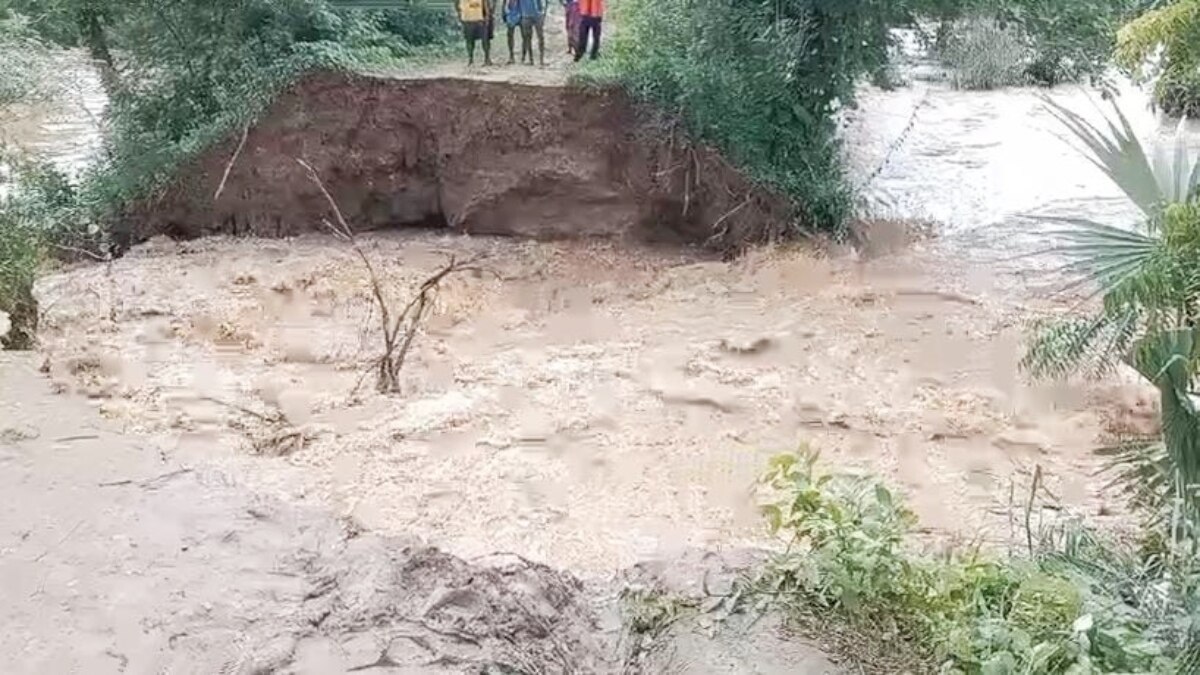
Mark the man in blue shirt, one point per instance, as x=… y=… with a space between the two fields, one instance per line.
x=533 y=19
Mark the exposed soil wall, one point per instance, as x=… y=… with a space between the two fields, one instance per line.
x=478 y=157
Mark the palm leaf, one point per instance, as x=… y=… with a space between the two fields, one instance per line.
x=1118 y=153
x=1168 y=360
x=1091 y=344
x=1140 y=468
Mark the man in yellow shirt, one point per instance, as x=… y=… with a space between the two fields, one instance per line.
x=474 y=16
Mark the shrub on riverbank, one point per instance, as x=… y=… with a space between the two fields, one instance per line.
x=186 y=74
x=1073 y=603
x=982 y=53
x=1048 y=41
x=761 y=81
x=1175 y=28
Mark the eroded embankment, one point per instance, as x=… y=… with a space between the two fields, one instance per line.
x=478 y=157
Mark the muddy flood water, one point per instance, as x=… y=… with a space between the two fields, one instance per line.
x=593 y=405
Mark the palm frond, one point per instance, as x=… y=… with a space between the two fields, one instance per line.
x=1099 y=253
x=1140 y=469
x=1079 y=344
x=1168 y=359
x=1118 y=153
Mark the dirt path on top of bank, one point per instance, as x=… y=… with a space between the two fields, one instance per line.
x=556 y=71
x=588 y=405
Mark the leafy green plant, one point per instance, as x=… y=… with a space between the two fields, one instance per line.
x=761 y=80
x=1070 y=40
x=1175 y=28
x=25 y=64
x=1148 y=278
x=34 y=198
x=849 y=567
x=21 y=254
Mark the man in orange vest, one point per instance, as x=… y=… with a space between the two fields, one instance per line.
x=591 y=14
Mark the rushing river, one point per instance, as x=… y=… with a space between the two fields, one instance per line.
x=979 y=163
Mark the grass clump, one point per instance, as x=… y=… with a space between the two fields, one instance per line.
x=1078 y=604
x=982 y=53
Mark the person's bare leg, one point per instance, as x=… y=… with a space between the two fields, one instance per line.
x=539 y=26
x=470 y=50
x=511 y=38
x=487 y=51
x=526 y=41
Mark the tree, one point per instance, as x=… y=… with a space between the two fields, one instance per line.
x=1175 y=27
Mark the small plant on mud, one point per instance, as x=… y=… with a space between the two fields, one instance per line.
x=851 y=575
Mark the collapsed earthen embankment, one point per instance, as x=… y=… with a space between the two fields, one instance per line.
x=476 y=157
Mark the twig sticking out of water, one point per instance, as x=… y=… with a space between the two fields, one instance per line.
x=399 y=330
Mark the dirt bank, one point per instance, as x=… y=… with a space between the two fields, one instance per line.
x=477 y=157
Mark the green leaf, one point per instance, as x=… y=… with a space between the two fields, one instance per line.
x=1001 y=663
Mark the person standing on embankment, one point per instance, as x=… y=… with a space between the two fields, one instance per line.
x=571 y=9
x=474 y=17
x=591 y=19
x=533 y=19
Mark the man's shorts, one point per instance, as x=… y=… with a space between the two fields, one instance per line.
x=475 y=30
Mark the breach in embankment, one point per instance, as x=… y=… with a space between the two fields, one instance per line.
x=476 y=157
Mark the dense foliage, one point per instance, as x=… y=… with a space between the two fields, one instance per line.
x=1147 y=277
x=180 y=74
x=1073 y=603
x=1028 y=41
x=761 y=79
x=1175 y=28
x=25 y=64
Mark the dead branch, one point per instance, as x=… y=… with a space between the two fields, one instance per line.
x=398 y=333
x=229 y=167
x=149 y=482
x=274 y=418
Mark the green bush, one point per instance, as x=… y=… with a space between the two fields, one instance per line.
x=181 y=75
x=25 y=64
x=1079 y=605
x=984 y=54
x=1060 y=40
x=1175 y=27
x=1070 y=40
x=760 y=79
x=21 y=254
x=32 y=202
